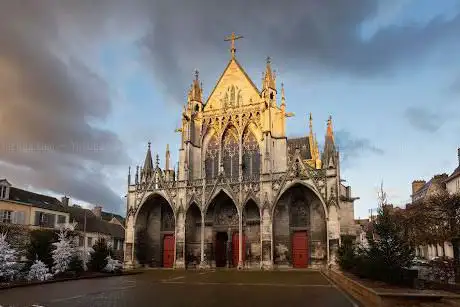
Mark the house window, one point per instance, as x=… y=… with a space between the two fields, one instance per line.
x=6 y=216
x=61 y=219
x=90 y=242
x=44 y=219
x=2 y=192
x=81 y=240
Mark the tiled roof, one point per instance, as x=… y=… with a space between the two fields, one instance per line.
x=94 y=223
x=35 y=199
x=301 y=143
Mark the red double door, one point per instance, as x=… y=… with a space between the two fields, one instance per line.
x=168 y=251
x=300 y=249
x=236 y=248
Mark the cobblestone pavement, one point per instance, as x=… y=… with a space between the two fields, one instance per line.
x=185 y=288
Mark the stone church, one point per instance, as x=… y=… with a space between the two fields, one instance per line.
x=244 y=195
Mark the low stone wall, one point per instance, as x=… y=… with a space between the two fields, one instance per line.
x=369 y=297
x=364 y=295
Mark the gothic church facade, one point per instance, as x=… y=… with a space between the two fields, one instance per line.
x=244 y=195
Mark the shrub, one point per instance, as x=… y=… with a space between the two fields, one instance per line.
x=41 y=246
x=442 y=269
x=347 y=254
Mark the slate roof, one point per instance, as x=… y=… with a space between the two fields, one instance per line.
x=94 y=223
x=107 y=216
x=455 y=174
x=301 y=143
x=36 y=200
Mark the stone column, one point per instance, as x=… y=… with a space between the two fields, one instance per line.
x=129 y=262
x=266 y=239
x=240 y=243
x=204 y=258
x=180 y=241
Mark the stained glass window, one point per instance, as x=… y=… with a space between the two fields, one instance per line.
x=230 y=153
x=251 y=156
x=211 y=162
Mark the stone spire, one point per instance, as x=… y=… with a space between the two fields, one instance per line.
x=148 y=163
x=196 y=92
x=167 y=158
x=329 y=158
x=283 y=98
x=136 y=177
x=314 y=150
x=129 y=175
x=269 y=77
x=157 y=161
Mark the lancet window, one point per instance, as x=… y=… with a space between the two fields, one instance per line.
x=212 y=158
x=251 y=156
x=230 y=153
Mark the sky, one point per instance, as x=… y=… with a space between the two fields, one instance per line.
x=84 y=85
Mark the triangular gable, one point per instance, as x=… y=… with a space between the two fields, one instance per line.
x=245 y=91
x=5 y=182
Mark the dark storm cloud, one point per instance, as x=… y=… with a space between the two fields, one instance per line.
x=424 y=119
x=47 y=98
x=352 y=147
x=50 y=95
x=297 y=33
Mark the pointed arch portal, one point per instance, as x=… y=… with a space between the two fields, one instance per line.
x=299 y=228
x=221 y=226
x=251 y=234
x=193 y=236
x=154 y=233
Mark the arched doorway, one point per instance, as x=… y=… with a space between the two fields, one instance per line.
x=299 y=229
x=155 y=225
x=221 y=225
x=251 y=234
x=193 y=236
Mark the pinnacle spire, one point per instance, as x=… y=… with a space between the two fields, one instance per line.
x=311 y=124
x=167 y=158
x=330 y=132
x=196 y=92
x=283 y=98
x=157 y=161
x=269 y=79
x=148 y=163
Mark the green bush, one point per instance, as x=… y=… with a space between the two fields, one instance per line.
x=76 y=264
x=347 y=254
x=41 y=246
x=98 y=259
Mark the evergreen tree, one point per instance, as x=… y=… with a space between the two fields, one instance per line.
x=99 y=256
x=9 y=267
x=388 y=253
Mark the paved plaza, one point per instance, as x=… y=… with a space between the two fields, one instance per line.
x=186 y=288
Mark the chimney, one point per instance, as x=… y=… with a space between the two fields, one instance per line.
x=417 y=185
x=97 y=210
x=458 y=154
x=65 y=201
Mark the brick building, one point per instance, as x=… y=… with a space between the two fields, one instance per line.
x=244 y=194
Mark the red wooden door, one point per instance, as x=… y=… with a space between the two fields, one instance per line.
x=236 y=248
x=168 y=251
x=299 y=249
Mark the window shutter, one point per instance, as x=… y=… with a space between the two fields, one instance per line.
x=37 y=218
x=21 y=217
